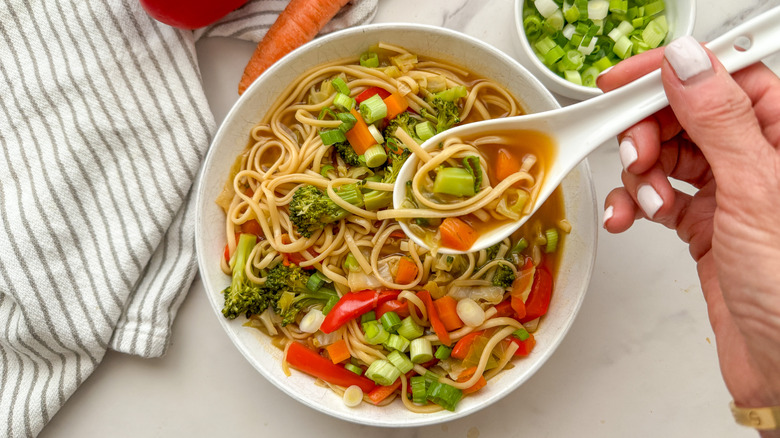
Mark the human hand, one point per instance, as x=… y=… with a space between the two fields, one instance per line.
x=720 y=134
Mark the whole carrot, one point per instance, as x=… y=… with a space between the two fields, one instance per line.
x=298 y=24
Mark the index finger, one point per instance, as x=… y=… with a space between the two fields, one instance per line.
x=631 y=69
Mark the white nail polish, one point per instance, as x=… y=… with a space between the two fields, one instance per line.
x=687 y=57
x=608 y=212
x=628 y=154
x=649 y=200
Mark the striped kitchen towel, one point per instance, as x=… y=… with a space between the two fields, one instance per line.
x=103 y=126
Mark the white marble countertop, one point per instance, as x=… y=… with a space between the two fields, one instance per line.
x=639 y=360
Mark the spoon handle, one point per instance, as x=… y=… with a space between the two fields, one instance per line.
x=740 y=47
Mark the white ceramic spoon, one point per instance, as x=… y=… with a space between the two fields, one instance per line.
x=579 y=129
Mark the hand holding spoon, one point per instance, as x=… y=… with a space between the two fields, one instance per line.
x=579 y=129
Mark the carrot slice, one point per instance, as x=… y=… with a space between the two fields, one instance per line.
x=359 y=136
x=252 y=227
x=448 y=312
x=506 y=164
x=462 y=347
x=407 y=271
x=457 y=234
x=298 y=24
x=396 y=104
x=338 y=351
x=466 y=375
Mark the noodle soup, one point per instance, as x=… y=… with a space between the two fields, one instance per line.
x=318 y=260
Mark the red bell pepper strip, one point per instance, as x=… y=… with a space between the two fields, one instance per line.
x=400 y=308
x=524 y=347
x=354 y=304
x=433 y=317
x=504 y=309
x=462 y=347
x=539 y=299
x=311 y=363
x=370 y=92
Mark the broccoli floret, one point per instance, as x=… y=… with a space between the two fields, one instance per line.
x=397 y=160
x=447 y=114
x=504 y=277
x=288 y=284
x=405 y=121
x=347 y=153
x=244 y=296
x=311 y=209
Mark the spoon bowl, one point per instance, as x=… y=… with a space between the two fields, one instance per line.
x=579 y=129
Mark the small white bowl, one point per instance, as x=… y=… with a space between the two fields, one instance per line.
x=579 y=199
x=681 y=15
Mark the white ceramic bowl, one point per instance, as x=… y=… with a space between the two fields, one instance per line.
x=681 y=15
x=577 y=260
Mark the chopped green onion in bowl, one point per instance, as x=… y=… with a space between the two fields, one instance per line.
x=578 y=39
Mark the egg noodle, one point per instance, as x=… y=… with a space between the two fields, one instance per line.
x=286 y=153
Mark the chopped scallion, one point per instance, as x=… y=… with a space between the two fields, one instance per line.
x=396 y=342
x=420 y=350
x=419 y=392
x=400 y=361
x=373 y=109
x=375 y=156
x=343 y=101
x=383 y=372
x=332 y=136
x=369 y=59
x=521 y=334
x=442 y=352
x=444 y=395
x=351 y=264
x=340 y=85
x=409 y=329
x=375 y=333
x=425 y=130
x=354 y=368
x=325 y=169
x=368 y=316
x=347 y=121
x=390 y=321
x=552 y=240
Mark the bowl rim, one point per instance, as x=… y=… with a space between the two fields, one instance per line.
x=203 y=261
x=573 y=91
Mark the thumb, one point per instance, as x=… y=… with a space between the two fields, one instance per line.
x=714 y=111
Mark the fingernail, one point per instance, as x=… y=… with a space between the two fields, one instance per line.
x=649 y=200
x=628 y=154
x=687 y=57
x=607 y=215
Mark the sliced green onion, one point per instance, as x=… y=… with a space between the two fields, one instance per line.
x=598 y=9
x=383 y=372
x=396 y=342
x=354 y=368
x=375 y=333
x=552 y=240
x=375 y=156
x=520 y=246
x=420 y=350
x=312 y=321
x=376 y=134
x=444 y=395
x=533 y=26
x=623 y=47
x=572 y=14
x=332 y=136
x=373 y=109
x=573 y=60
x=400 y=361
x=353 y=396
x=454 y=181
x=442 y=352
x=521 y=334
x=409 y=329
x=546 y=7
x=329 y=305
x=589 y=76
x=603 y=64
x=654 y=7
x=419 y=392
x=390 y=321
x=555 y=54
x=347 y=121
x=452 y=94
x=544 y=45
x=343 y=101
x=369 y=316
x=326 y=112
x=369 y=59
x=653 y=35
x=351 y=264
x=618 y=6
x=340 y=85
x=325 y=169
x=431 y=377
x=572 y=76
x=555 y=21
x=471 y=164
x=315 y=282
x=625 y=27
x=425 y=130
